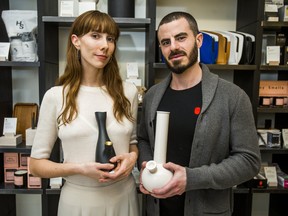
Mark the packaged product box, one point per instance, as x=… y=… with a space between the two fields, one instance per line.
x=273 y=88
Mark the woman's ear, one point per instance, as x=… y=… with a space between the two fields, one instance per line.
x=75 y=40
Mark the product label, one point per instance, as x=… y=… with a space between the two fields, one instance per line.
x=10 y=175
x=34 y=181
x=18 y=180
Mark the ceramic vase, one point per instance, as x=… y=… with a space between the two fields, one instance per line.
x=155 y=175
x=104 y=149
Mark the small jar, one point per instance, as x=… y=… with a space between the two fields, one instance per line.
x=279 y=101
x=265 y=101
x=20 y=178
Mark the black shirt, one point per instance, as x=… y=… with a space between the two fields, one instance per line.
x=184 y=107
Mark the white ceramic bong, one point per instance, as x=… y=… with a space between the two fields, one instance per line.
x=155 y=175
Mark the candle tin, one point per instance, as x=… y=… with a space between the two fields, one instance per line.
x=20 y=178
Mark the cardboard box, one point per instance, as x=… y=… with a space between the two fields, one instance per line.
x=282 y=180
x=33 y=181
x=23 y=159
x=11 y=160
x=11 y=140
x=258 y=181
x=30 y=135
x=86 y=6
x=9 y=175
x=283 y=13
x=273 y=88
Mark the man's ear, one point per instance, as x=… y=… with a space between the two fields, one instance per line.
x=75 y=40
x=199 y=39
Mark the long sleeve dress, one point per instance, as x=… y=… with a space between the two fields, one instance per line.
x=81 y=195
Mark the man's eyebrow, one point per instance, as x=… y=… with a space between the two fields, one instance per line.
x=181 y=34
x=175 y=36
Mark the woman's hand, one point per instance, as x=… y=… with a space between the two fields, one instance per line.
x=95 y=170
x=125 y=165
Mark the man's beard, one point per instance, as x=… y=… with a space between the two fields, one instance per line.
x=179 y=68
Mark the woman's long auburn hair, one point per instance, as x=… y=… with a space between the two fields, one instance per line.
x=71 y=79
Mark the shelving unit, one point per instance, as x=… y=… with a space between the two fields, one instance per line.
x=250 y=19
x=217 y=67
x=7 y=190
x=6 y=75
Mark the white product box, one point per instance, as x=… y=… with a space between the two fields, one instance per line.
x=86 y=6
x=30 y=134
x=273 y=55
x=10 y=140
x=68 y=8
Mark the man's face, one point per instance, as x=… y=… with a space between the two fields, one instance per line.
x=178 y=45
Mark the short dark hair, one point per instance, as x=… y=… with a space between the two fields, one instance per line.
x=178 y=15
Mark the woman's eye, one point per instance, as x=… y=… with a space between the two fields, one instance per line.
x=96 y=36
x=111 y=39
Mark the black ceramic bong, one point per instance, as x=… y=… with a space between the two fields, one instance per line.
x=104 y=150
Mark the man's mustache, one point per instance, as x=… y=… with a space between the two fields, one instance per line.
x=173 y=53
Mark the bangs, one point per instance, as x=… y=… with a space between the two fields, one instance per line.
x=98 y=22
x=106 y=26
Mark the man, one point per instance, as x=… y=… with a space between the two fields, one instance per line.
x=212 y=142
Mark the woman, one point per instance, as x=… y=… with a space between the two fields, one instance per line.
x=91 y=82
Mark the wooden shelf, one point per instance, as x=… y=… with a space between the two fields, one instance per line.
x=217 y=67
x=52 y=191
x=9 y=188
x=272 y=109
x=19 y=64
x=241 y=190
x=122 y=22
x=273 y=25
x=21 y=148
x=274 y=190
x=273 y=67
x=273 y=150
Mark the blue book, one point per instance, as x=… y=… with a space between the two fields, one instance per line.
x=209 y=48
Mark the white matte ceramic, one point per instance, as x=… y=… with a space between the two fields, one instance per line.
x=155 y=176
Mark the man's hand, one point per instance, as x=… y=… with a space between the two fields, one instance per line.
x=176 y=186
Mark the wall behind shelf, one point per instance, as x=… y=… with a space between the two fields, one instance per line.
x=210 y=14
x=24 y=80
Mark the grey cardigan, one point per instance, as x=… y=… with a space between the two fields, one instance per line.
x=224 y=151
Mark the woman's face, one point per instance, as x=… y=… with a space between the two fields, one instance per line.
x=96 y=48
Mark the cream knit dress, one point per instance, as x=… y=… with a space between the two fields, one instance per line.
x=80 y=195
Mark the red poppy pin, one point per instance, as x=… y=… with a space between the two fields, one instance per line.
x=197 y=110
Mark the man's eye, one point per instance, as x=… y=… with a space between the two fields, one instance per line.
x=182 y=38
x=165 y=43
